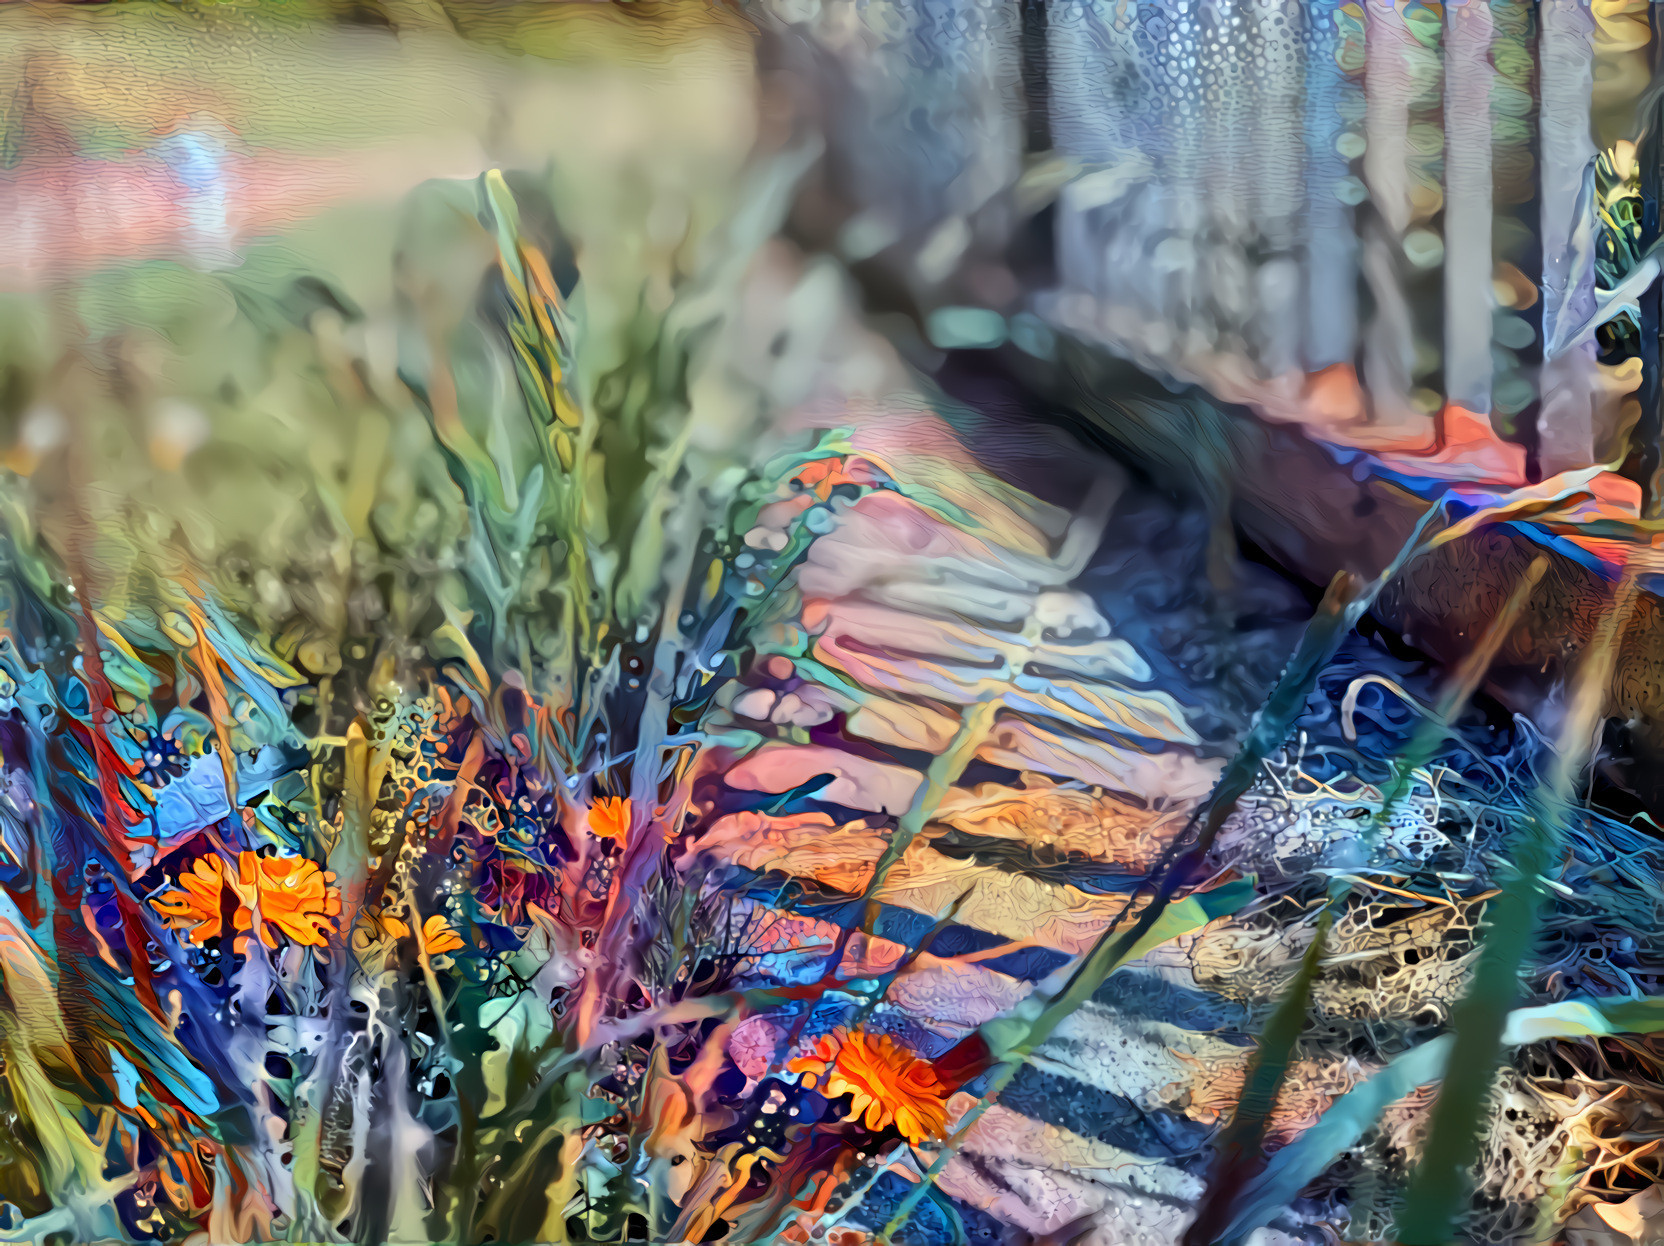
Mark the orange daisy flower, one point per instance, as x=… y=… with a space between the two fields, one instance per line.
x=821 y=476
x=292 y=894
x=438 y=937
x=609 y=818
x=886 y=1083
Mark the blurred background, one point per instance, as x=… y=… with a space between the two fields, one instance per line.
x=1361 y=253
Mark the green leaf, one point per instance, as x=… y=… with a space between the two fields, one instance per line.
x=1302 y=1161
x=1194 y=912
x=1438 y=1185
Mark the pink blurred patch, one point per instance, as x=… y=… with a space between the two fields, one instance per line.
x=751 y=1045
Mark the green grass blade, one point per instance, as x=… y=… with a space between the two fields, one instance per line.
x=1241 y=1147
x=1439 y=1183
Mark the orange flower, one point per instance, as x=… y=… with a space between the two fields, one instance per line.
x=198 y=901
x=821 y=476
x=437 y=935
x=292 y=894
x=609 y=818
x=884 y=1080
